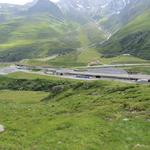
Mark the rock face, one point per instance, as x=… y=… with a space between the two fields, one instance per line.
x=94 y=7
x=42 y=6
x=2 y=129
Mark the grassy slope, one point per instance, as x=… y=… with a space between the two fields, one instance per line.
x=88 y=34
x=138 y=69
x=89 y=115
x=39 y=35
x=29 y=76
x=22 y=97
x=77 y=59
x=36 y=36
x=85 y=54
x=132 y=39
x=22 y=39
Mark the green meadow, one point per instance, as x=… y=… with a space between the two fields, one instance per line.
x=48 y=113
x=83 y=58
x=138 y=69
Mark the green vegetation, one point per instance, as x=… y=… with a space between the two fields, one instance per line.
x=132 y=39
x=4 y=65
x=36 y=36
x=138 y=69
x=85 y=54
x=21 y=97
x=40 y=35
x=74 y=115
x=82 y=56
x=29 y=76
x=122 y=59
x=68 y=60
x=42 y=112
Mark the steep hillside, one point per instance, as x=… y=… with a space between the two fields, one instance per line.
x=39 y=30
x=93 y=8
x=42 y=29
x=133 y=39
x=46 y=6
x=36 y=36
x=88 y=36
x=131 y=10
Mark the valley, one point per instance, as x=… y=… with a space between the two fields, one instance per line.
x=75 y=75
x=46 y=32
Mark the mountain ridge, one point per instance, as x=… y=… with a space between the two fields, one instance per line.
x=42 y=28
x=46 y=6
